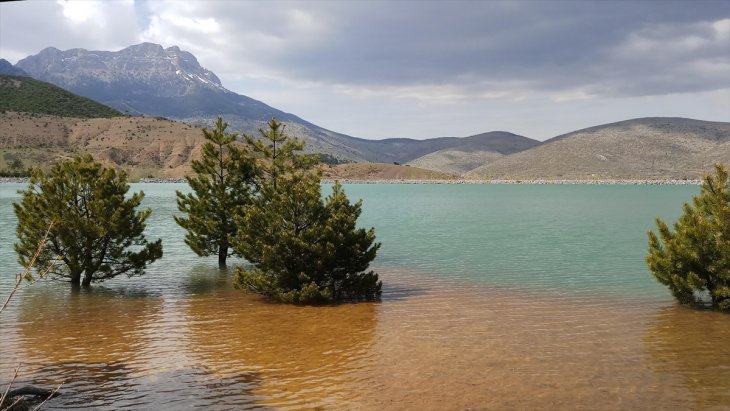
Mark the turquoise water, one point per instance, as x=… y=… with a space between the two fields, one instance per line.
x=565 y=238
x=579 y=238
x=494 y=296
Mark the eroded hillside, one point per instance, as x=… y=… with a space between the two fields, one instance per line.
x=142 y=146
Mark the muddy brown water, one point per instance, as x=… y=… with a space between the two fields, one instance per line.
x=427 y=345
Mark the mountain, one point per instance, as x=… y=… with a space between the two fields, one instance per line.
x=6 y=68
x=149 y=79
x=642 y=148
x=24 y=94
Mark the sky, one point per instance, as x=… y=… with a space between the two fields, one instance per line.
x=378 y=69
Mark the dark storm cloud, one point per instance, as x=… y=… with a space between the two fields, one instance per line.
x=607 y=48
x=593 y=48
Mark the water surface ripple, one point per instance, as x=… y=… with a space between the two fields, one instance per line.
x=495 y=297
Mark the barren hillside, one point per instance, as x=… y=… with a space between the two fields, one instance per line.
x=653 y=148
x=380 y=172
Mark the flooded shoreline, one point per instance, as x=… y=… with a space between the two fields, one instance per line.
x=430 y=344
x=495 y=297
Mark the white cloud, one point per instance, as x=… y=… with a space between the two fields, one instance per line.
x=80 y=11
x=28 y=27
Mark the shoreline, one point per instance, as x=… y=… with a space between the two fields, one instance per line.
x=524 y=182
x=669 y=181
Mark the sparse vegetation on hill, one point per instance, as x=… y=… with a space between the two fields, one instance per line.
x=380 y=171
x=142 y=146
x=24 y=94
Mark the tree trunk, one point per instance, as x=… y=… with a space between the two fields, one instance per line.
x=222 y=255
x=75 y=278
x=87 y=281
x=31 y=390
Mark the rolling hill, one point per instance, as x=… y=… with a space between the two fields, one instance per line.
x=643 y=148
x=472 y=152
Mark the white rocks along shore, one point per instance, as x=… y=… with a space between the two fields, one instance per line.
x=6 y=180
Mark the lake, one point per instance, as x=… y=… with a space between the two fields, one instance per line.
x=494 y=296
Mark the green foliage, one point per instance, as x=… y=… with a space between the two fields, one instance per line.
x=278 y=154
x=303 y=249
x=24 y=94
x=94 y=227
x=221 y=186
x=693 y=259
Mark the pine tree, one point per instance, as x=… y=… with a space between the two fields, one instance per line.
x=92 y=224
x=347 y=250
x=221 y=186
x=278 y=154
x=693 y=260
x=301 y=247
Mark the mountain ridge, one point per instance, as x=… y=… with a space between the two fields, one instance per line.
x=169 y=82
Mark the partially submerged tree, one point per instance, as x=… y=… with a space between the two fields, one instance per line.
x=221 y=186
x=302 y=248
x=96 y=232
x=278 y=155
x=693 y=259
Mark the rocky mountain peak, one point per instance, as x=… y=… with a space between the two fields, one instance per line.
x=141 y=69
x=144 y=49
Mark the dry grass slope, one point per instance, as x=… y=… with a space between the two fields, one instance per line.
x=380 y=172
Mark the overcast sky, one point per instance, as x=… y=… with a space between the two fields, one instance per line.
x=377 y=69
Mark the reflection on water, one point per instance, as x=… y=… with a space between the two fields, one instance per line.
x=431 y=344
x=302 y=354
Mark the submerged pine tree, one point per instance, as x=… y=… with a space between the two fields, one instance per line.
x=221 y=187
x=693 y=259
x=95 y=230
x=302 y=248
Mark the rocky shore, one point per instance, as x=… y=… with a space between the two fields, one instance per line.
x=5 y=180
x=162 y=180
x=537 y=182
